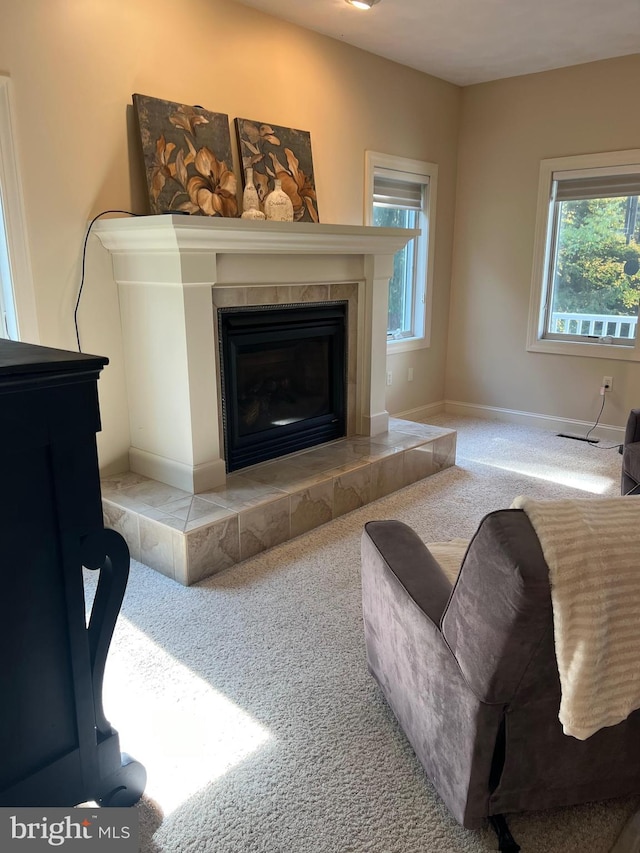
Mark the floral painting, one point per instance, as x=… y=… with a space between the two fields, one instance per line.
x=187 y=158
x=279 y=152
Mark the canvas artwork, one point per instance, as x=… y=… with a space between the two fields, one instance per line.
x=279 y=152
x=187 y=158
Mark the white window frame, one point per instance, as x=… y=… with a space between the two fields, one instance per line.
x=16 y=279
x=540 y=281
x=405 y=169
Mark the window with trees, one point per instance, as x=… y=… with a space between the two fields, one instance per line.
x=586 y=286
x=401 y=193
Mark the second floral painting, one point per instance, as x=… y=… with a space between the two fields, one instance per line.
x=188 y=159
x=279 y=153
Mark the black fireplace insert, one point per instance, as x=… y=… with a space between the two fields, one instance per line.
x=283 y=379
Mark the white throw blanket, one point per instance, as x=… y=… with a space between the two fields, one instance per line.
x=592 y=548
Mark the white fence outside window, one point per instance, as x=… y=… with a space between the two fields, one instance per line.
x=594 y=325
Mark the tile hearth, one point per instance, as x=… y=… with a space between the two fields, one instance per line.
x=189 y=537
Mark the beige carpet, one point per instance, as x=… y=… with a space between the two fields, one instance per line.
x=248 y=699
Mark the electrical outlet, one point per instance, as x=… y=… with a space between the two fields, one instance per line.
x=607 y=383
x=389 y=377
x=410 y=374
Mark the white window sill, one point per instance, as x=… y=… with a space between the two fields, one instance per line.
x=395 y=345
x=617 y=352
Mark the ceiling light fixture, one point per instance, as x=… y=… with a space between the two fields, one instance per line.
x=362 y=4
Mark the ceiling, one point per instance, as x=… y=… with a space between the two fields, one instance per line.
x=473 y=41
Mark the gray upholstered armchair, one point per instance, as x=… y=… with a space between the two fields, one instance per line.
x=631 y=455
x=470 y=673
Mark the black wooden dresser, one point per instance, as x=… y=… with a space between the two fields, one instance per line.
x=56 y=746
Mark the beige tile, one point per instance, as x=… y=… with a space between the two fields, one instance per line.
x=387 y=475
x=124 y=501
x=311 y=293
x=344 y=291
x=264 y=527
x=351 y=490
x=118 y=482
x=154 y=493
x=179 y=508
x=311 y=508
x=416 y=428
x=266 y=295
x=352 y=343
x=444 y=451
x=324 y=458
x=284 y=295
x=156 y=546
x=306 y=481
x=180 y=559
x=194 y=510
x=285 y=476
x=212 y=548
x=161 y=517
x=229 y=297
x=125 y=523
x=241 y=492
x=218 y=513
x=369 y=450
x=418 y=463
x=352 y=368
x=351 y=408
x=353 y=465
x=399 y=440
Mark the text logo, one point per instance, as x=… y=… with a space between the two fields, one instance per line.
x=76 y=829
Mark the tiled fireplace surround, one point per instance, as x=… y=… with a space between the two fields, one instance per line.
x=178 y=510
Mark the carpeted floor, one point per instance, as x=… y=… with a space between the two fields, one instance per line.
x=248 y=699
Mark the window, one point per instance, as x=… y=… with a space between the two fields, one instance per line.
x=17 y=299
x=8 y=320
x=586 y=284
x=401 y=193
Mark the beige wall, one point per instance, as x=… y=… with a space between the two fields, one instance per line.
x=74 y=66
x=507 y=127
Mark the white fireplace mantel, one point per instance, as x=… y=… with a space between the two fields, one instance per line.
x=166 y=267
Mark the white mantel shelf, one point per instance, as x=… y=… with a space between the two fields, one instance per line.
x=201 y=233
x=174 y=272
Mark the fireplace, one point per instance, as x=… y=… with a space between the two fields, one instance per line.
x=283 y=371
x=174 y=274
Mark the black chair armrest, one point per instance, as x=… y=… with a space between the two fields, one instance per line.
x=413 y=565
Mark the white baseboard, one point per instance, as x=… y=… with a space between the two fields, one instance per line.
x=189 y=478
x=422 y=413
x=605 y=432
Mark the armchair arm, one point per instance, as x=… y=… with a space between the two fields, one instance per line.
x=404 y=592
x=632 y=431
x=412 y=564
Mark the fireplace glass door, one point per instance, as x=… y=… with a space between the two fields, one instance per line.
x=283 y=379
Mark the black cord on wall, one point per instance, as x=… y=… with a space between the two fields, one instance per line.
x=604 y=398
x=84 y=257
x=591 y=444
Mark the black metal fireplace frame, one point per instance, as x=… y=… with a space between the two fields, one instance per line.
x=243 y=327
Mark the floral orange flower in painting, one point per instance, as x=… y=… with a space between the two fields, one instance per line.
x=188 y=158
x=213 y=189
x=187 y=118
x=162 y=167
x=280 y=153
x=296 y=185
